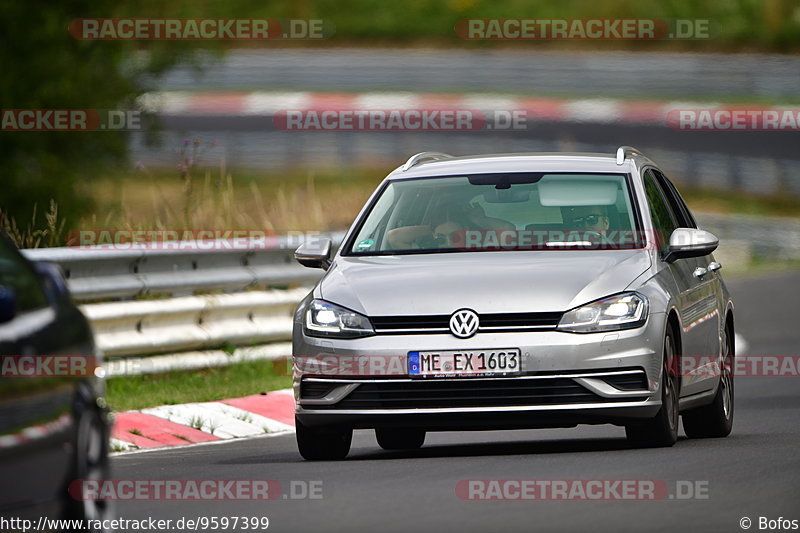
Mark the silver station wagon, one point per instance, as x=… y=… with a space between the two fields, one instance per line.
x=515 y=291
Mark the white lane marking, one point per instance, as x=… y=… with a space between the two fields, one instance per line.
x=490 y=102
x=165 y=102
x=387 y=100
x=593 y=110
x=117 y=445
x=266 y=103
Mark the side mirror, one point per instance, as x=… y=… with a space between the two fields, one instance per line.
x=690 y=242
x=315 y=253
x=53 y=281
x=8 y=304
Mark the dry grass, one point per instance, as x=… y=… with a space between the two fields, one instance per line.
x=218 y=199
x=299 y=201
x=33 y=235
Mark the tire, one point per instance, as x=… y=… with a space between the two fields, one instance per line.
x=323 y=443
x=400 y=439
x=661 y=430
x=716 y=419
x=91 y=463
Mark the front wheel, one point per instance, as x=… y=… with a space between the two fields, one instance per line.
x=91 y=464
x=716 y=419
x=322 y=443
x=662 y=429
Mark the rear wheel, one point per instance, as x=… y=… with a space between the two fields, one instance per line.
x=323 y=443
x=716 y=419
x=400 y=439
x=662 y=429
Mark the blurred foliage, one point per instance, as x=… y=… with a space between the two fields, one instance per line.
x=763 y=25
x=754 y=25
x=42 y=66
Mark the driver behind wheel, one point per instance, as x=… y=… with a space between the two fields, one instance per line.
x=588 y=218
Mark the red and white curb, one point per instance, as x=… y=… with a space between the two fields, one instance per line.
x=192 y=423
x=38 y=432
x=265 y=103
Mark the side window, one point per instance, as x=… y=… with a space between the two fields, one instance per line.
x=664 y=220
x=684 y=216
x=17 y=274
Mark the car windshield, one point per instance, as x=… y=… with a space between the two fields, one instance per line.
x=510 y=211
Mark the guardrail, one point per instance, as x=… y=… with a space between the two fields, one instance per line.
x=248 y=296
x=194 y=322
x=768 y=238
x=102 y=272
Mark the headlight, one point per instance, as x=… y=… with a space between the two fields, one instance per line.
x=324 y=319
x=623 y=311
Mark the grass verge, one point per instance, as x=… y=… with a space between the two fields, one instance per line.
x=722 y=201
x=760 y=267
x=204 y=385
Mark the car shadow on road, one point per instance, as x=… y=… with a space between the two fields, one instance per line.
x=371 y=452
x=477 y=449
x=544 y=447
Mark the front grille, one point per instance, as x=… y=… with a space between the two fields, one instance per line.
x=437 y=393
x=489 y=323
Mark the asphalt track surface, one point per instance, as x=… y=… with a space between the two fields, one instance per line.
x=753 y=473
x=766 y=144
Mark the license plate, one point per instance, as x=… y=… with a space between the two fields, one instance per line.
x=465 y=363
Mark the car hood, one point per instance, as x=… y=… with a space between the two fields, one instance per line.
x=487 y=282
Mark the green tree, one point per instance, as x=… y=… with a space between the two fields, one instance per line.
x=43 y=67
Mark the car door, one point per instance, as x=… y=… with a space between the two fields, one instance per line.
x=710 y=311
x=35 y=409
x=691 y=289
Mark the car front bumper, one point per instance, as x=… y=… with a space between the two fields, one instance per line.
x=566 y=379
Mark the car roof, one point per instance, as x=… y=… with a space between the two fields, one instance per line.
x=520 y=162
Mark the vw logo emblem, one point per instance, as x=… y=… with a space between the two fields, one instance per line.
x=464 y=323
